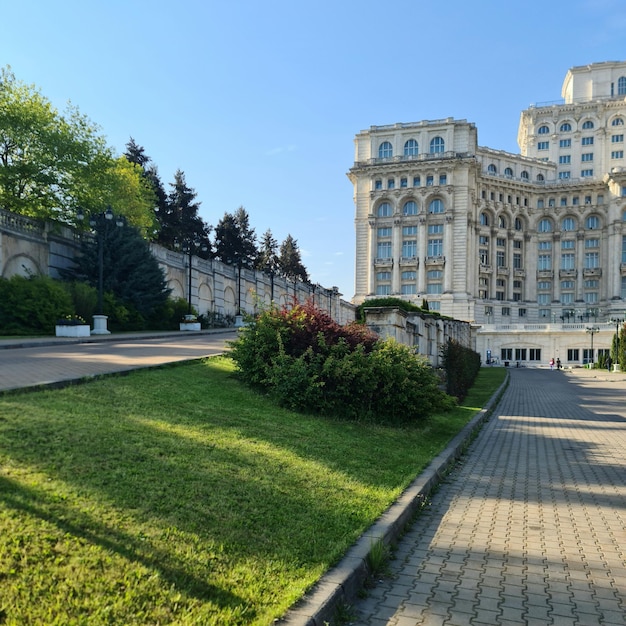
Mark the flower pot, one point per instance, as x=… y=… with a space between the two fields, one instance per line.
x=79 y=330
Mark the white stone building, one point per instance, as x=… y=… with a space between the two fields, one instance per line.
x=530 y=247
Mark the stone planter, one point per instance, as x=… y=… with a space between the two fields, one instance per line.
x=80 y=330
x=190 y=325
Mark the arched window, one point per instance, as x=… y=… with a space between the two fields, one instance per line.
x=484 y=219
x=436 y=206
x=502 y=221
x=524 y=174
x=587 y=125
x=566 y=127
x=492 y=169
x=592 y=222
x=411 y=148
x=384 y=210
x=543 y=130
x=385 y=150
x=437 y=145
x=518 y=224
x=568 y=224
x=540 y=178
x=409 y=208
x=508 y=172
x=545 y=226
x=618 y=121
x=621 y=86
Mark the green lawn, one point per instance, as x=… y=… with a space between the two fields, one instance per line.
x=177 y=496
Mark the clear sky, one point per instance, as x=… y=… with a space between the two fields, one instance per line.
x=258 y=102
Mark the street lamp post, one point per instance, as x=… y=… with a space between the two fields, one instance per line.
x=592 y=330
x=191 y=247
x=99 y=223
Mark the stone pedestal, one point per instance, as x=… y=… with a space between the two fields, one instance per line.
x=100 y=325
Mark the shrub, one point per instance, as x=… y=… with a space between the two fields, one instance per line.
x=309 y=363
x=32 y=305
x=461 y=367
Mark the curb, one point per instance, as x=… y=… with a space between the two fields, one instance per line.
x=341 y=585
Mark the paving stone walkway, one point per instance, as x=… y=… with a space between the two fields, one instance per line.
x=530 y=527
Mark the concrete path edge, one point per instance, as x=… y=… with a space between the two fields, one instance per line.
x=340 y=586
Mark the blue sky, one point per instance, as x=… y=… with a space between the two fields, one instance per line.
x=259 y=102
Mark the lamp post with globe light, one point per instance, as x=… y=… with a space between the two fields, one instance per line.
x=592 y=330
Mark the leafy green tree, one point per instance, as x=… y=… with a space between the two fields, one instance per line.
x=290 y=260
x=53 y=164
x=130 y=271
x=235 y=240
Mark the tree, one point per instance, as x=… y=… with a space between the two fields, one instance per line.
x=131 y=272
x=290 y=261
x=235 y=240
x=181 y=222
x=267 y=260
x=53 y=164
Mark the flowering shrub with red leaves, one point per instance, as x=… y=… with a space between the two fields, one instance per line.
x=310 y=363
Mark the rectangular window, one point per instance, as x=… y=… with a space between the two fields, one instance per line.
x=517 y=284
x=409 y=289
x=587 y=141
x=403 y=182
x=591 y=297
x=586 y=156
x=591 y=284
x=568 y=244
x=435 y=229
x=565 y=143
x=500 y=259
x=573 y=354
x=434 y=288
x=544 y=245
x=501 y=242
x=506 y=354
x=567 y=284
x=383 y=290
x=568 y=261
x=391 y=183
x=409 y=275
x=409 y=248
x=586 y=173
x=383 y=276
x=544 y=262
x=565 y=158
x=617 y=154
x=617 y=138
x=384 y=232
x=592 y=243
x=435 y=247
x=383 y=250
x=534 y=354
x=563 y=201
x=575 y=200
x=543 y=298
x=434 y=274
x=517 y=244
x=592 y=260
x=500 y=295
x=417 y=181
x=378 y=184
x=517 y=261
x=483 y=255
x=544 y=284
x=443 y=179
x=544 y=313
x=483 y=240
x=567 y=298
x=506 y=311
x=623 y=249
x=429 y=181
x=543 y=145
x=520 y=354
x=409 y=230
x=521 y=313
x=564 y=175
x=540 y=203
x=517 y=296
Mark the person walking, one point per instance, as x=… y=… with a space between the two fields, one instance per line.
x=552 y=364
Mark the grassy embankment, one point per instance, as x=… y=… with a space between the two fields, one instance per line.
x=178 y=496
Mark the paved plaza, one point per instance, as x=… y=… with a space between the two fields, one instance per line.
x=530 y=527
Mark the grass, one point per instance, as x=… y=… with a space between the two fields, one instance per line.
x=177 y=496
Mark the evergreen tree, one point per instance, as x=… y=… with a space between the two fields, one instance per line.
x=290 y=261
x=182 y=223
x=267 y=260
x=130 y=270
x=235 y=241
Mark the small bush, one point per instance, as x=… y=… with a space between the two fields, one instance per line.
x=32 y=305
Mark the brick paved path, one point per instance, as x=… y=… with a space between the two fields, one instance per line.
x=530 y=527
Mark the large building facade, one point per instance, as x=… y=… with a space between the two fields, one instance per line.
x=529 y=247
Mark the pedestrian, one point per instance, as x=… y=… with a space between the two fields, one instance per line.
x=552 y=364
x=609 y=362
x=558 y=364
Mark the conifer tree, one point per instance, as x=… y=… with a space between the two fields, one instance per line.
x=290 y=260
